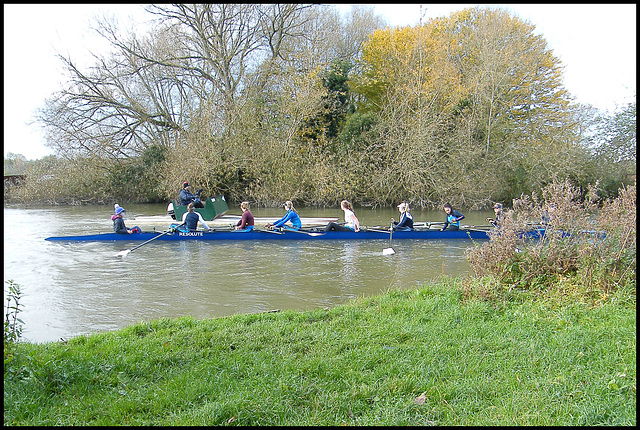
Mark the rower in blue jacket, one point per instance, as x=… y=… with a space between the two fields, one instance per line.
x=453 y=218
x=290 y=216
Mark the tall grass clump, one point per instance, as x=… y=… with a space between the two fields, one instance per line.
x=588 y=246
x=12 y=324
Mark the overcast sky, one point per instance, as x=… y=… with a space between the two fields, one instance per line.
x=595 y=42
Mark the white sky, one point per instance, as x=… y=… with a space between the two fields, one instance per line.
x=595 y=42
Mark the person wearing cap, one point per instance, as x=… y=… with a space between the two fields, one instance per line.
x=118 y=223
x=191 y=218
x=453 y=218
x=351 y=222
x=186 y=197
x=291 y=216
x=246 y=222
x=497 y=208
x=406 y=219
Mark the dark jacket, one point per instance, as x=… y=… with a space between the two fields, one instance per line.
x=119 y=227
x=186 y=197
x=406 y=222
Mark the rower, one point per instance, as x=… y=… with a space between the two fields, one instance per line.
x=246 y=223
x=406 y=219
x=191 y=218
x=291 y=216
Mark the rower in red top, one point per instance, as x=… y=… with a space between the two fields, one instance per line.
x=246 y=222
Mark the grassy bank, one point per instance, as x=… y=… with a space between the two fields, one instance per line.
x=417 y=357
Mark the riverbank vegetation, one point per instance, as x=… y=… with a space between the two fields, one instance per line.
x=301 y=103
x=590 y=242
x=543 y=333
x=417 y=357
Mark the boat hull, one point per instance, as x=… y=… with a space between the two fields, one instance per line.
x=274 y=235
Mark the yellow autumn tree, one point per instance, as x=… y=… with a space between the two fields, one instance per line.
x=461 y=98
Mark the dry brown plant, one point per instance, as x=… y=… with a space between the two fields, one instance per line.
x=588 y=241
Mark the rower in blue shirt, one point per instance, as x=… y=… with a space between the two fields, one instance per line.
x=290 y=216
x=453 y=218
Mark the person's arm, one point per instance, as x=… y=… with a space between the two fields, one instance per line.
x=204 y=224
x=356 y=223
x=184 y=217
x=283 y=220
x=446 y=224
x=458 y=215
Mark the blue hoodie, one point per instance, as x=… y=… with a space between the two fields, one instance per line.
x=292 y=216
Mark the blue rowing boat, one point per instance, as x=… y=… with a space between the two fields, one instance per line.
x=364 y=234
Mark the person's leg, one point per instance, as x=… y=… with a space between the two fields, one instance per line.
x=332 y=226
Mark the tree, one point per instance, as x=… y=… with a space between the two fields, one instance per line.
x=464 y=97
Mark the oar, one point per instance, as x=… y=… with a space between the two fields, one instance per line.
x=126 y=251
x=375 y=229
x=309 y=233
x=270 y=231
x=389 y=250
x=488 y=227
x=467 y=228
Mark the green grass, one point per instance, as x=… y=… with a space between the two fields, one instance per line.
x=363 y=363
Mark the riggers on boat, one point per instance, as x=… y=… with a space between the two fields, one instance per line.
x=234 y=235
x=214 y=207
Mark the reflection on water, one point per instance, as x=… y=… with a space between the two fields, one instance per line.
x=76 y=288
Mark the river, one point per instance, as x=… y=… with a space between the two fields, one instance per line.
x=70 y=289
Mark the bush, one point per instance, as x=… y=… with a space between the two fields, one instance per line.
x=591 y=243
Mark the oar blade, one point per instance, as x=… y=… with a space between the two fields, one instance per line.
x=388 y=251
x=123 y=254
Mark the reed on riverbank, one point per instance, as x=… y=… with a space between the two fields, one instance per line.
x=427 y=356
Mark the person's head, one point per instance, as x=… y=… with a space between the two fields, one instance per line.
x=185 y=185
x=345 y=204
x=288 y=205
x=244 y=206
x=403 y=207
x=191 y=207
x=119 y=211
x=447 y=208
x=497 y=208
